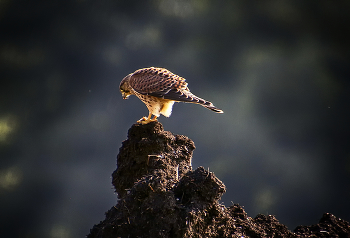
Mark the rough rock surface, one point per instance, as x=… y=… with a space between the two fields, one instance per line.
x=161 y=196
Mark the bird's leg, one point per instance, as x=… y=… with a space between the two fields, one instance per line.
x=146 y=120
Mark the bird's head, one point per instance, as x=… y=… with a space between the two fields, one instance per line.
x=125 y=88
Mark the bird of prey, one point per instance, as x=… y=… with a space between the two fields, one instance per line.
x=159 y=89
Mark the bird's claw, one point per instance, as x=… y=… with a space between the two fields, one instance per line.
x=145 y=120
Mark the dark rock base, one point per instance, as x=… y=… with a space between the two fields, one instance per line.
x=161 y=196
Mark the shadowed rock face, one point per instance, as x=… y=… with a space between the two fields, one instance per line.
x=149 y=150
x=161 y=196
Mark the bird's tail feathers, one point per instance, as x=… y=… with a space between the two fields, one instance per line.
x=181 y=96
x=213 y=108
x=206 y=104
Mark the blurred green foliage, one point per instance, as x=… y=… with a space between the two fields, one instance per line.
x=279 y=69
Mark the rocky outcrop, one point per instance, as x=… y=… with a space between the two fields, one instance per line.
x=160 y=195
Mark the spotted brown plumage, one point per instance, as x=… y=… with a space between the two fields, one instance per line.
x=159 y=89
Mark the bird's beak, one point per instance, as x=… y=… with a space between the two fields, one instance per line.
x=125 y=96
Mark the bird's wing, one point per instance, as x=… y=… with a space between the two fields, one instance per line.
x=157 y=82
x=162 y=83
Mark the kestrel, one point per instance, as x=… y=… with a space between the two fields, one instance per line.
x=159 y=89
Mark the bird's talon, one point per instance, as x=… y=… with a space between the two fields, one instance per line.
x=142 y=119
x=145 y=120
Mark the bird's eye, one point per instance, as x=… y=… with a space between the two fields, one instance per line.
x=124 y=91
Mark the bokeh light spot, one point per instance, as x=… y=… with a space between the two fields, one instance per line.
x=8 y=125
x=10 y=178
x=148 y=37
x=182 y=8
x=59 y=231
x=264 y=199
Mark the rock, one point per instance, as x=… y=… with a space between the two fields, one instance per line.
x=149 y=150
x=329 y=226
x=161 y=196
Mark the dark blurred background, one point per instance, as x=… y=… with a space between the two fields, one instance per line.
x=279 y=69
